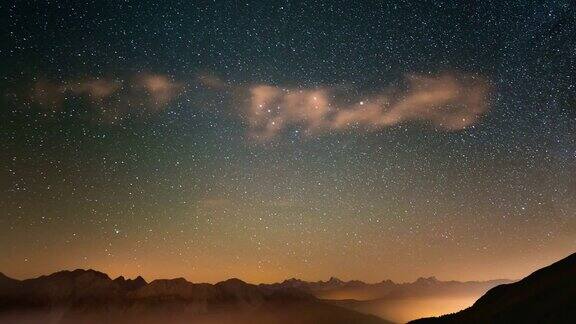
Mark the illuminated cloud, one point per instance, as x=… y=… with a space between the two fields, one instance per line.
x=94 y=88
x=111 y=99
x=160 y=88
x=448 y=102
x=272 y=109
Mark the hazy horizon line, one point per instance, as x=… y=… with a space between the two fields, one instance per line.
x=113 y=277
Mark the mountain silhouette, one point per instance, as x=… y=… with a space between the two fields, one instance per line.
x=89 y=296
x=396 y=302
x=336 y=289
x=546 y=296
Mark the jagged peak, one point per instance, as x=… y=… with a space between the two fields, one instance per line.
x=429 y=279
x=334 y=280
x=140 y=279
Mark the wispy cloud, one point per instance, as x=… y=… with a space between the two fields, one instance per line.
x=110 y=99
x=449 y=102
x=160 y=88
x=94 y=88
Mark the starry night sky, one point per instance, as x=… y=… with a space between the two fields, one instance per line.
x=267 y=140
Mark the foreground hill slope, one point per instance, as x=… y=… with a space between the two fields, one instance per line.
x=546 y=296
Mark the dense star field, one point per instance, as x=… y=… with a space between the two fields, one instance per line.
x=267 y=140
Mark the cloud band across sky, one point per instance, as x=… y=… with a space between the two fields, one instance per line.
x=448 y=102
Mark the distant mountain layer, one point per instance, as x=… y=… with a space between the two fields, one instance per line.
x=396 y=302
x=546 y=296
x=90 y=296
x=336 y=289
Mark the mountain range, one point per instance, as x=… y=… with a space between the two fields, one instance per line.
x=88 y=296
x=67 y=296
x=336 y=289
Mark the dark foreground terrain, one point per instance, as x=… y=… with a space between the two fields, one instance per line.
x=546 y=296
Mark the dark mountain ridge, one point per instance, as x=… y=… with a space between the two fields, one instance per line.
x=92 y=296
x=546 y=296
